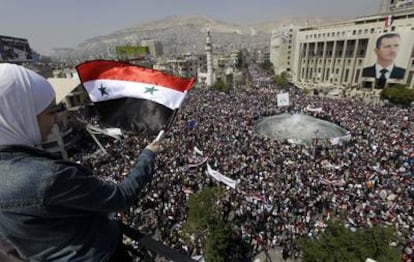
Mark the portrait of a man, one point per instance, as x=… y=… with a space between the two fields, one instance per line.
x=386 y=48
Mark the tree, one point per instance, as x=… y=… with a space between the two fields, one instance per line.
x=281 y=80
x=268 y=66
x=398 y=94
x=203 y=210
x=218 y=242
x=219 y=85
x=205 y=223
x=338 y=243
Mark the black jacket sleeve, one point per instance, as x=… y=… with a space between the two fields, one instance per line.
x=75 y=187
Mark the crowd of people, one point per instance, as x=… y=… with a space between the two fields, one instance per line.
x=283 y=189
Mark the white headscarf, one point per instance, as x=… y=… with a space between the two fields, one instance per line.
x=23 y=95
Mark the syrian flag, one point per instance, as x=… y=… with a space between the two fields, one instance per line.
x=131 y=97
x=333 y=182
x=388 y=21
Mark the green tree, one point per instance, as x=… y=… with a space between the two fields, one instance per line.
x=205 y=223
x=203 y=210
x=219 y=85
x=218 y=242
x=268 y=66
x=398 y=94
x=281 y=80
x=306 y=91
x=338 y=243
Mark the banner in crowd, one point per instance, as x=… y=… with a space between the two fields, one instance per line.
x=387 y=58
x=220 y=177
x=283 y=99
x=131 y=97
x=196 y=161
x=332 y=182
x=340 y=140
x=313 y=109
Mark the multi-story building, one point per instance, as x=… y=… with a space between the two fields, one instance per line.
x=262 y=56
x=337 y=54
x=184 y=67
x=70 y=96
x=154 y=46
x=390 y=5
x=281 y=49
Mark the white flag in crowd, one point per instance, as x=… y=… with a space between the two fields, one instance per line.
x=340 y=140
x=198 y=151
x=313 y=109
x=222 y=178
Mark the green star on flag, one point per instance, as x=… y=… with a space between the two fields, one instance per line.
x=150 y=90
x=103 y=90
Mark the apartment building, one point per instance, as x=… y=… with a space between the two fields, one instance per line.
x=336 y=54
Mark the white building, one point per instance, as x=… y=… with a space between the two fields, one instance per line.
x=70 y=95
x=336 y=54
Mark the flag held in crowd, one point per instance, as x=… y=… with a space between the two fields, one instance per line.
x=220 y=177
x=332 y=182
x=132 y=97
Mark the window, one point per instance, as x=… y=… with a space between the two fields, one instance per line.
x=346 y=75
x=357 y=75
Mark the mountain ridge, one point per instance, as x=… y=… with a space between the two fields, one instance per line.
x=183 y=34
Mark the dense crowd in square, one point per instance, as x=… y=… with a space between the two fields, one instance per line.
x=279 y=196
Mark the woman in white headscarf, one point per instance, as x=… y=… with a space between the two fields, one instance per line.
x=50 y=209
x=24 y=96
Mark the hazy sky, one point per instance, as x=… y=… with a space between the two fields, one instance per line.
x=66 y=23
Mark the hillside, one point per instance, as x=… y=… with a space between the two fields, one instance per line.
x=182 y=34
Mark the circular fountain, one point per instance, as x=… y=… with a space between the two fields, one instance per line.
x=298 y=128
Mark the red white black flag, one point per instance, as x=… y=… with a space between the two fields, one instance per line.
x=131 y=97
x=388 y=21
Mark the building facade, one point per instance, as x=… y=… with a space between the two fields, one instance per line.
x=337 y=54
x=154 y=46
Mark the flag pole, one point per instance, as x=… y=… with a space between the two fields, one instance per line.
x=168 y=125
x=97 y=141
